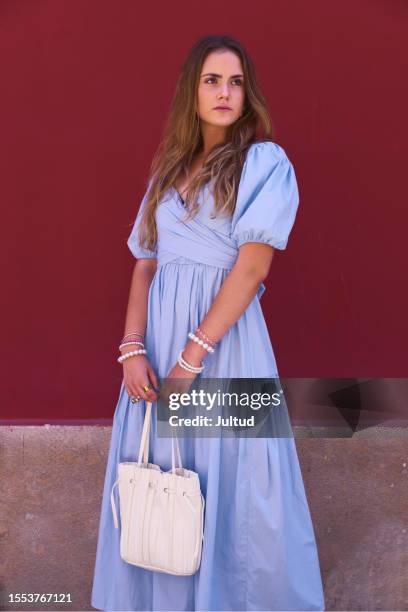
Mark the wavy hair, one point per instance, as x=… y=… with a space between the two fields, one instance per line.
x=182 y=140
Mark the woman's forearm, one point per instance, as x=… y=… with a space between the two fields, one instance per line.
x=136 y=314
x=236 y=293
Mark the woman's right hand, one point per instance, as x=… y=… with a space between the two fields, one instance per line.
x=138 y=372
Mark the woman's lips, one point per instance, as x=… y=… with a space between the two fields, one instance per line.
x=222 y=109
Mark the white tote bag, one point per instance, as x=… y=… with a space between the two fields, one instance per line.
x=161 y=512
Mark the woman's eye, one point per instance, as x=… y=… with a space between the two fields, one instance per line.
x=237 y=81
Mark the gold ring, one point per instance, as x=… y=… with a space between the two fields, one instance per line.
x=146 y=388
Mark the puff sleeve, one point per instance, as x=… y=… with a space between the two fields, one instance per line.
x=133 y=240
x=268 y=197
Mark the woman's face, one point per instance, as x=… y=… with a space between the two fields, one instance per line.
x=221 y=85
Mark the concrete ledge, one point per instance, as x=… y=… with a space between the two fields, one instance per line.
x=52 y=479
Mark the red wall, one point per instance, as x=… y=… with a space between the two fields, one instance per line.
x=85 y=90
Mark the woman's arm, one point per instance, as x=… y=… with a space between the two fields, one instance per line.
x=136 y=314
x=236 y=293
x=138 y=371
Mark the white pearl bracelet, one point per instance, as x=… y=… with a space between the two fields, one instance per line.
x=207 y=347
x=130 y=354
x=187 y=366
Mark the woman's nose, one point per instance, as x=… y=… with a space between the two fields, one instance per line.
x=224 y=90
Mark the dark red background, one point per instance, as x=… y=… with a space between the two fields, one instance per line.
x=85 y=87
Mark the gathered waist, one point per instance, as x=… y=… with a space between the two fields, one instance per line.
x=186 y=261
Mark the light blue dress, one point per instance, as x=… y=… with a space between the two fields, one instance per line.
x=259 y=549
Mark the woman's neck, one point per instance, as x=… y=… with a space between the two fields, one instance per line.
x=212 y=135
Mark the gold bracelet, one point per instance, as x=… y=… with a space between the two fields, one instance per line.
x=132 y=334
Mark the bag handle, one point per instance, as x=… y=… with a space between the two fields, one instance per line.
x=173 y=466
x=144 y=449
x=144 y=441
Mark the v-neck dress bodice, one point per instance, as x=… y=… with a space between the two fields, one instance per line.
x=201 y=240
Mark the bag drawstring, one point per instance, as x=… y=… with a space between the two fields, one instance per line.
x=115 y=516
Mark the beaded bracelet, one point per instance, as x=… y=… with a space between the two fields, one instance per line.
x=133 y=334
x=201 y=342
x=129 y=343
x=188 y=366
x=132 y=339
x=131 y=354
x=209 y=340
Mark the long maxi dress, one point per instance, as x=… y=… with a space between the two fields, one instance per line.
x=259 y=548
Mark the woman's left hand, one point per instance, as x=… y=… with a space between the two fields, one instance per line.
x=178 y=372
x=178 y=380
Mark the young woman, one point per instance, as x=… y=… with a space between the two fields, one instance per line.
x=220 y=199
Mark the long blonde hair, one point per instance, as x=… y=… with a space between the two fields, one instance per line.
x=182 y=139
